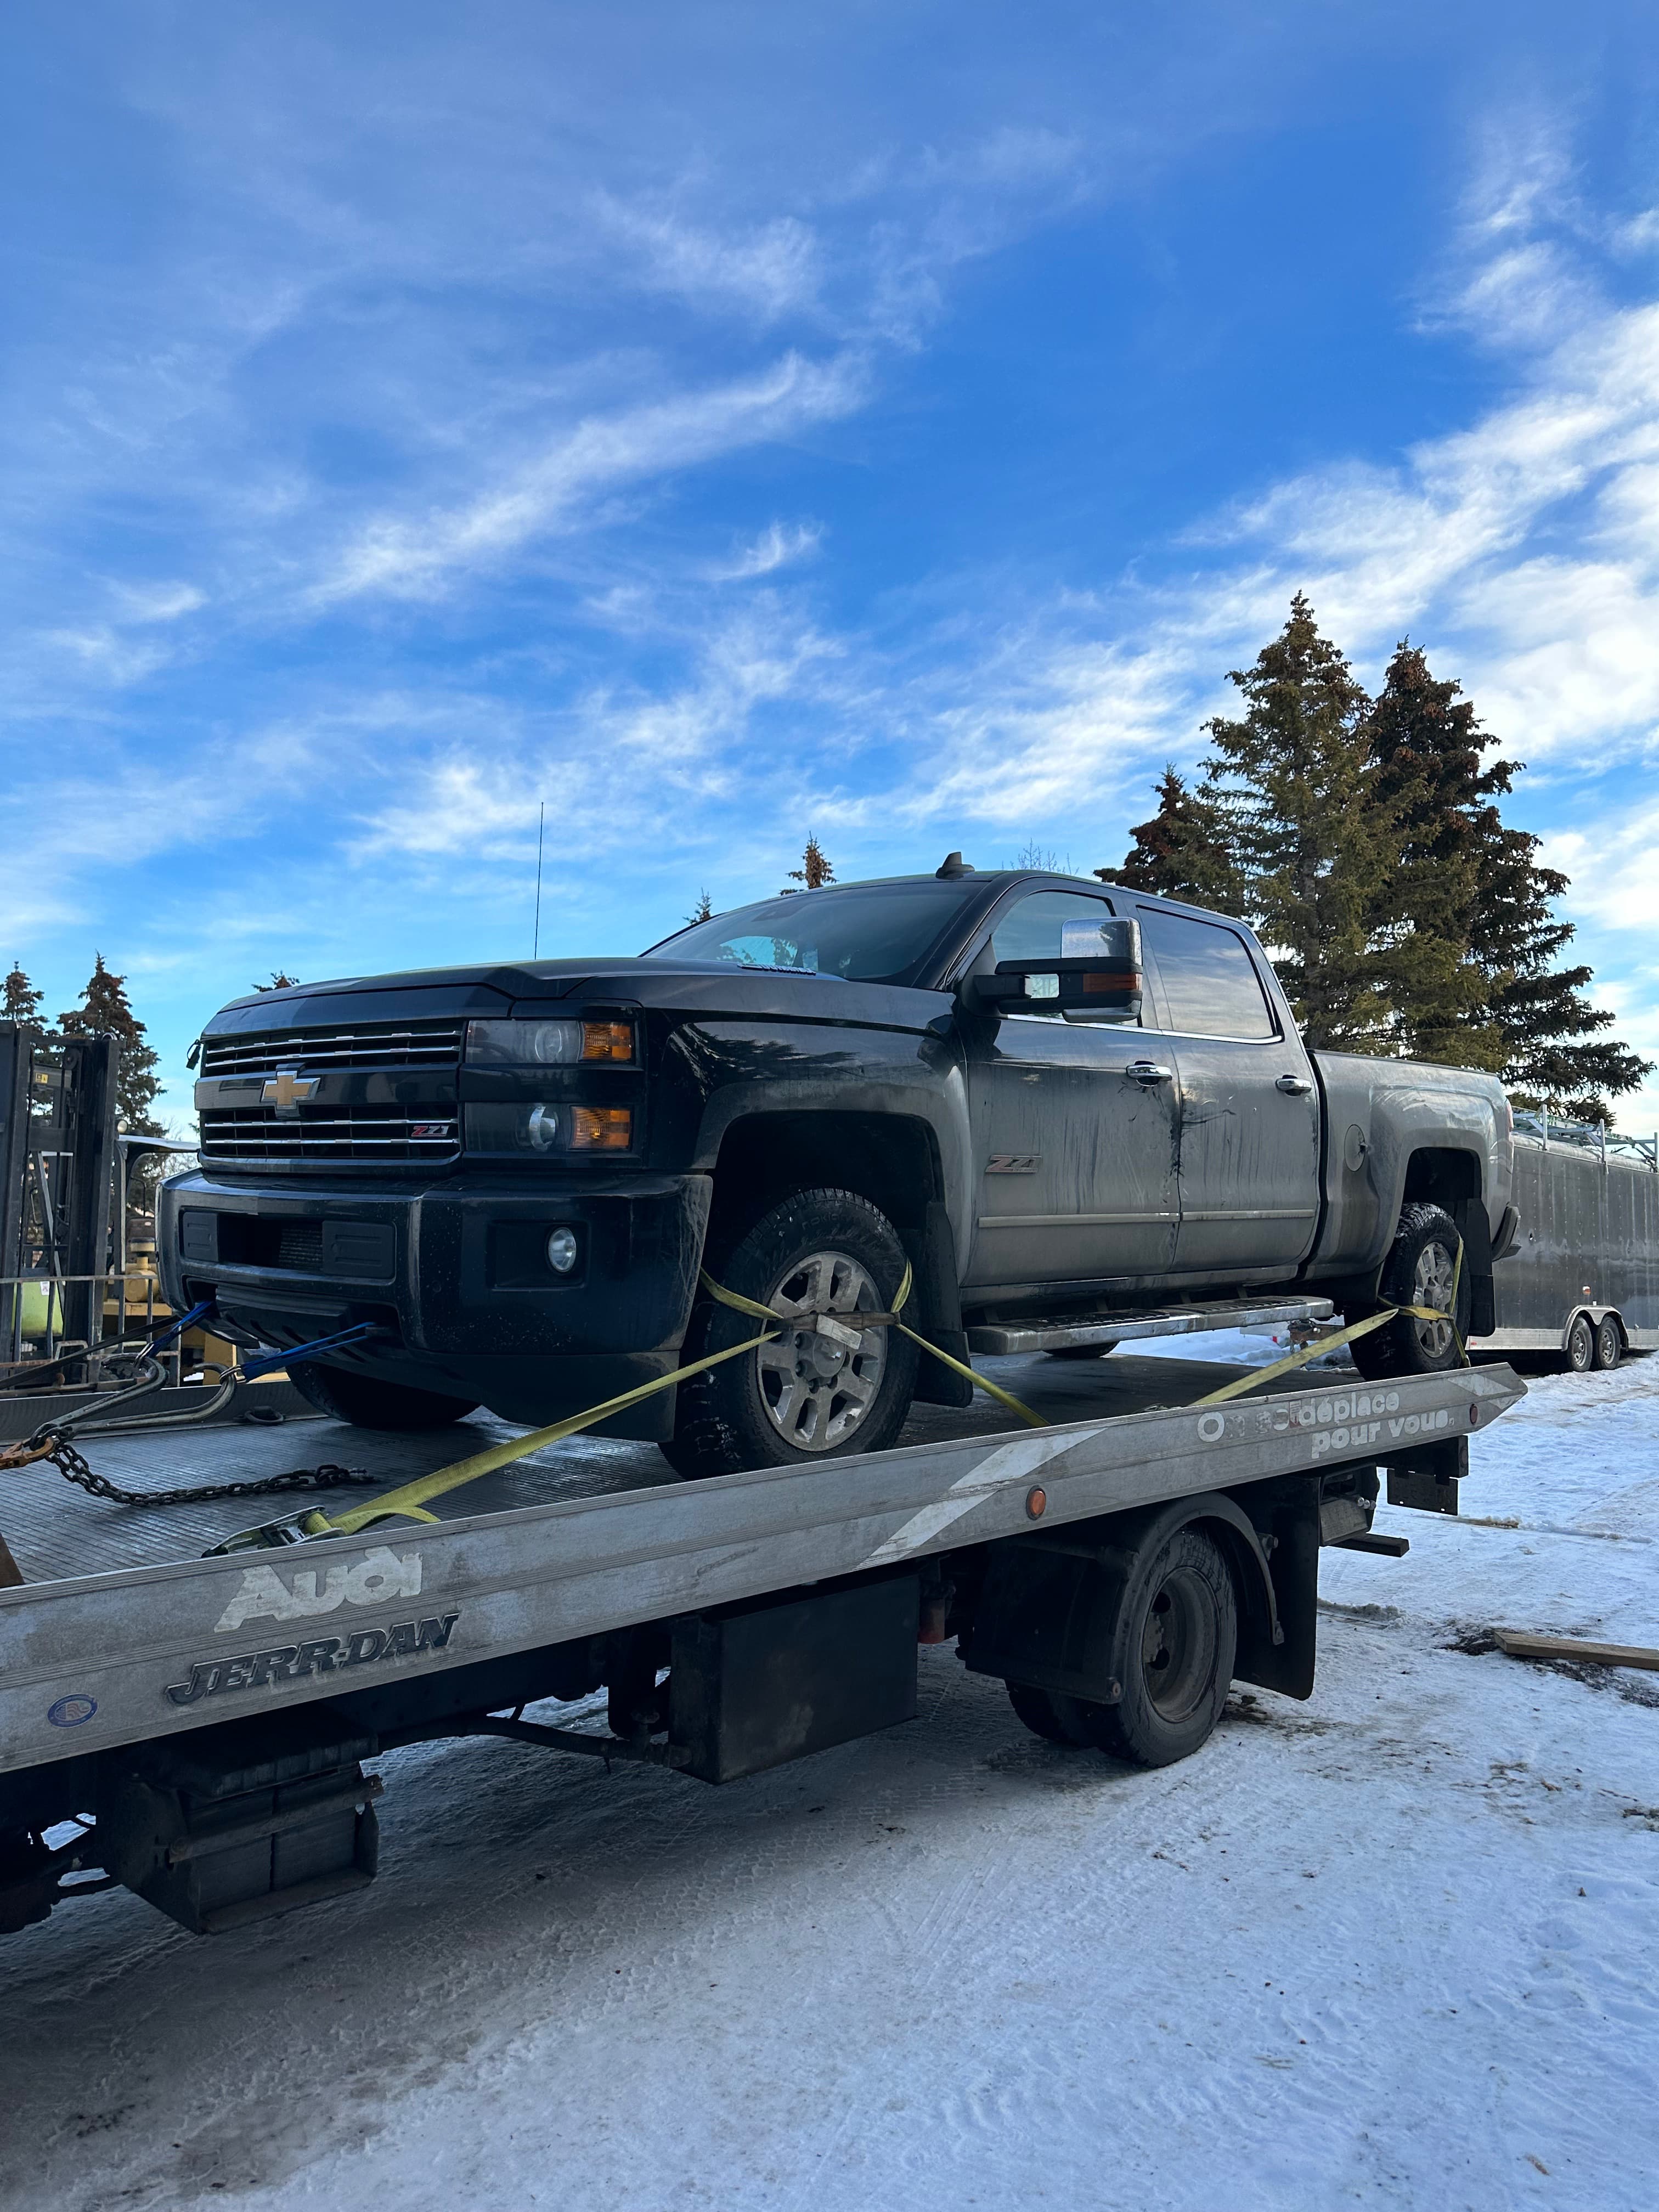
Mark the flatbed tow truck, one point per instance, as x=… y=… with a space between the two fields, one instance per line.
x=195 y=1728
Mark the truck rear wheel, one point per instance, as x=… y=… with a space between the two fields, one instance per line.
x=1179 y=1631
x=813 y=1393
x=1055 y=1718
x=1419 y=1270
x=369 y=1403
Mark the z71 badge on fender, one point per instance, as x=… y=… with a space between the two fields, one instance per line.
x=325 y=1655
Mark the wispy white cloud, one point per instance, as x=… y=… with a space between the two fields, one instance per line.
x=157 y=602
x=413 y=557
x=766 y=270
x=779 y=546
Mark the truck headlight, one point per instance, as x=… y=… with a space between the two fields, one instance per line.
x=549 y=1044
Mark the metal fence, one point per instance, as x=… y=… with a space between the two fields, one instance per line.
x=1590 y=1137
x=32 y=1310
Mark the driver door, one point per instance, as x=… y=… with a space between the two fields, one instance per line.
x=1074 y=1126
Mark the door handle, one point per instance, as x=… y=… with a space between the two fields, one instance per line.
x=1148 y=1071
x=1293 y=1086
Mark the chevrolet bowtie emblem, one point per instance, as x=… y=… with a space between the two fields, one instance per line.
x=286 y=1089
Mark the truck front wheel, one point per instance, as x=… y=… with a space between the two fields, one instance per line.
x=1419 y=1270
x=369 y=1403
x=827 y=1384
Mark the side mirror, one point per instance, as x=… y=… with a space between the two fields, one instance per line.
x=1097 y=978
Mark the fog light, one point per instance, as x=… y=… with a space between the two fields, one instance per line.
x=561 y=1250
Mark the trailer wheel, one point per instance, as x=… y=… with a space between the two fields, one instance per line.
x=1581 y=1344
x=809 y=1395
x=1419 y=1270
x=369 y=1403
x=1609 y=1342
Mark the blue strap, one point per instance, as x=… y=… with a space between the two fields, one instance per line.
x=266 y=1362
x=186 y=1321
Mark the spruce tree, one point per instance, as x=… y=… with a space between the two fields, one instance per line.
x=1476 y=936
x=20 y=1002
x=1300 y=805
x=1180 y=852
x=815 y=870
x=1555 y=1055
x=104 y=1012
x=1425 y=748
x=704 y=908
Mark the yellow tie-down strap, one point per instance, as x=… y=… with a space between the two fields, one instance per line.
x=409 y=1501
x=1295 y=1359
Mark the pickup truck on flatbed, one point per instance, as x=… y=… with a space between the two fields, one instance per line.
x=1058 y=1107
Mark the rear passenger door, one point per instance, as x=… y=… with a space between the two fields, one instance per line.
x=1249 y=1135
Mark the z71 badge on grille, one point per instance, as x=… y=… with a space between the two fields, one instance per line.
x=1013 y=1164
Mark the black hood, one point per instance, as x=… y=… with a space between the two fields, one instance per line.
x=688 y=988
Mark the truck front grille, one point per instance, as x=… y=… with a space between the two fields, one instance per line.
x=366 y=1047
x=253 y=1136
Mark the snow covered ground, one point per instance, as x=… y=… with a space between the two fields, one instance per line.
x=1394 y=1947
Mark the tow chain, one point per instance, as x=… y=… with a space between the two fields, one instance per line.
x=57 y=1451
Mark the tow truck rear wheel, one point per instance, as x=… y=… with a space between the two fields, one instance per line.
x=1056 y=1718
x=826 y=1384
x=1178 y=1629
x=369 y=1403
x=1420 y=1270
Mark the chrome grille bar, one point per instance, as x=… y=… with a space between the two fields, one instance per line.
x=417 y=1044
x=353 y=1132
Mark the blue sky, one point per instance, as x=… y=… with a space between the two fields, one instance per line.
x=725 y=422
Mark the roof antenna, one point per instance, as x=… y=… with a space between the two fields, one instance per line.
x=541 y=824
x=955 y=865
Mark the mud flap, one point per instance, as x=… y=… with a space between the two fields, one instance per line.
x=938 y=1314
x=1049 y=1612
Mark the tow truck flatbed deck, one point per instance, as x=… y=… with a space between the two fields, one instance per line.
x=123 y=1633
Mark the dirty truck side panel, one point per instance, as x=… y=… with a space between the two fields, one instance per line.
x=1380 y=1117
x=1248 y=1147
x=1076 y=1158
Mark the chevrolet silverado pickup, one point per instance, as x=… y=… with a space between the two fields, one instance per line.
x=1043 y=1098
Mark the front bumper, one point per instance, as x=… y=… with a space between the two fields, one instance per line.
x=455 y=1276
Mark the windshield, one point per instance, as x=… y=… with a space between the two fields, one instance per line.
x=864 y=933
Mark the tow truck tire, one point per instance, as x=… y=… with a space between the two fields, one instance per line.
x=1180 y=1633
x=1417 y=1272
x=1056 y=1719
x=802 y=1399
x=369 y=1403
x=1609 y=1342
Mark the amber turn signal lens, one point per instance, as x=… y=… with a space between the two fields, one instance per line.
x=601 y=1129
x=611 y=1041
x=1037 y=1502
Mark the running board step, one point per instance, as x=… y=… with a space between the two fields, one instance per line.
x=1107 y=1329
